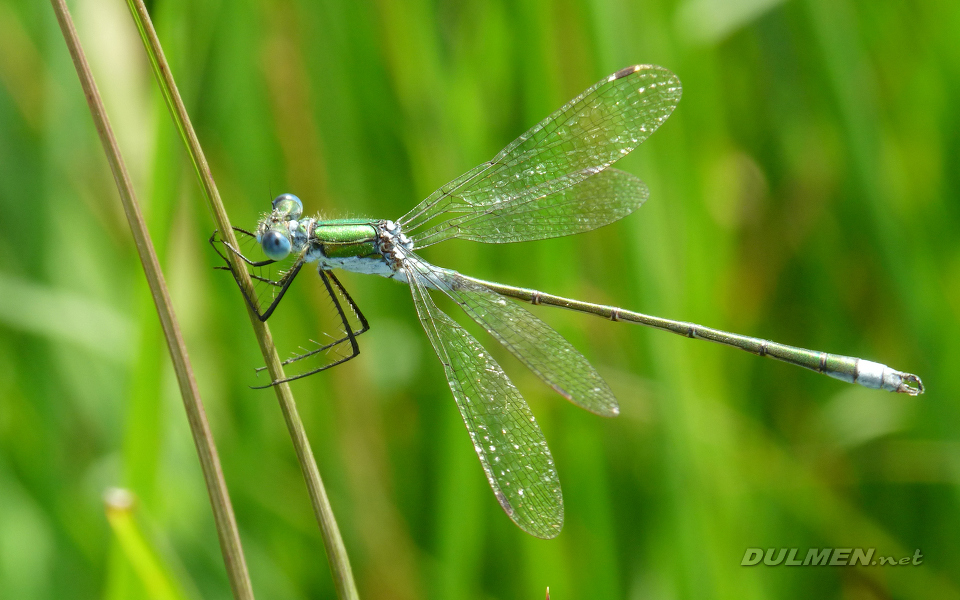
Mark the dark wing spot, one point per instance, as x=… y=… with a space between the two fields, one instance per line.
x=504 y=503
x=624 y=72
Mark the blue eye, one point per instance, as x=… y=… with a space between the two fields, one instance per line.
x=288 y=205
x=275 y=245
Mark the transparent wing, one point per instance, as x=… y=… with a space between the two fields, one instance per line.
x=545 y=211
x=582 y=138
x=505 y=435
x=533 y=342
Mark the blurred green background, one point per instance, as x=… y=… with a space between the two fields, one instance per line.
x=806 y=190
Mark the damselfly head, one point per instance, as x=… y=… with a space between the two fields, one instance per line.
x=275 y=230
x=287 y=207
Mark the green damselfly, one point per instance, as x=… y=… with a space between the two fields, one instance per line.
x=554 y=180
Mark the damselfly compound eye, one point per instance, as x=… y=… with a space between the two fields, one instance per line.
x=275 y=245
x=288 y=205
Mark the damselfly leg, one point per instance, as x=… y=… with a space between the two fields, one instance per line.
x=272 y=279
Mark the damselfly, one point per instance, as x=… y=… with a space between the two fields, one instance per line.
x=554 y=180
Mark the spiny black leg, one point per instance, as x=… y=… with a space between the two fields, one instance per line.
x=364 y=326
x=351 y=336
x=283 y=284
x=214 y=240
x=309 y=353
x=307 y=374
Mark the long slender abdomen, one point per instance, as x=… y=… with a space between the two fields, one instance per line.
x=846 y=368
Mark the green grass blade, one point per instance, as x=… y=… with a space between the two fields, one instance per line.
x=336 y=550
x=196 y=414
x=154 y=575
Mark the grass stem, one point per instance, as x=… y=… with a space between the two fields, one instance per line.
x=196 y=415
x=333 y=542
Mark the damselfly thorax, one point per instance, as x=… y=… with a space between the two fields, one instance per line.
x=356 y=245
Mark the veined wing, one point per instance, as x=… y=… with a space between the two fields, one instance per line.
x=537 y=345
x=505 y=435
x=551 y=209
x=582 y=138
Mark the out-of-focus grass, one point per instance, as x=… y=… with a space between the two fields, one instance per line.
x=137 y=551
x=806 y=190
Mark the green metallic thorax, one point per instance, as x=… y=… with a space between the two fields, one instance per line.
x=346 y=238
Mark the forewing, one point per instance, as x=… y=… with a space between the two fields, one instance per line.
x=504 y=433
x=545 y=211
x=537 y=345
x=585 y=136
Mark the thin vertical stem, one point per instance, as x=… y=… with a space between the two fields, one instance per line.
x=196 y=415
x=333 y=542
